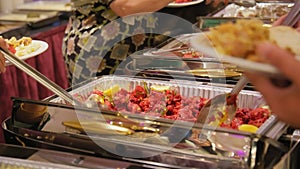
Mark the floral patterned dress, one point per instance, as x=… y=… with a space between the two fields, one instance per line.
x=97 y=41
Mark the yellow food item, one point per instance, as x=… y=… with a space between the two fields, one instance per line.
x=112 y=90
x=24 y=41
x=160 y=88
x=239 y=39
x=248 y=128
x=22 y=46
x=24 y=50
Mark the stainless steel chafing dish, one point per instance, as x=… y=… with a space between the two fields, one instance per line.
x=33 y=19
x=174 y=144
x=265 y=10
x=268 y=12
x=176 y=57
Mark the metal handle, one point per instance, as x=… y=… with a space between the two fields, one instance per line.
x=293 y=16
x=243 y=81
x=38 y=76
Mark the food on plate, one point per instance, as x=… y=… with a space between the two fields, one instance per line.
x=167 y=102
x=182 y=1
x=22 y=46
x=239 y=39
x=13 y=41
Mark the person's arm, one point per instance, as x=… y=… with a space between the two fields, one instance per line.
x=2 y=59
x=284 y=102
x=128 y=7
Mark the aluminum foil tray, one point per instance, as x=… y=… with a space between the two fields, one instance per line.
x=246 y=99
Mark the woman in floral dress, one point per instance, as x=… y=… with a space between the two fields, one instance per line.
x=98 y=40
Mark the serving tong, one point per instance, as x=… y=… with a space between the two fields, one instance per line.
x=213 y=108
x=38 y=77
x=293 y=16
x=122 y=125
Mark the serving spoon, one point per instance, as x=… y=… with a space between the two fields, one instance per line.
x=212 y=113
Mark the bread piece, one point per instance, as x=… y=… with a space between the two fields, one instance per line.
x=286 y=38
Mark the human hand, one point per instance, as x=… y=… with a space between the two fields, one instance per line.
x=284 y=102
x=2 y=59
x=282 y=18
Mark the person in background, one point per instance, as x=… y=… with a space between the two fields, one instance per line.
x=2 y=59
x=82 y=35
x=284 y=102
x=90 y=34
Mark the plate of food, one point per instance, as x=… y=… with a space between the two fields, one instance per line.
x=183 y=3
x=235 y=43
x=25 y=47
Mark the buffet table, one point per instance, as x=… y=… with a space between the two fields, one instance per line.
x=16 y=83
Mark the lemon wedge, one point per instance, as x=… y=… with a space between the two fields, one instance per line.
x=248 y=128
x=112 y=90
x=160 y=88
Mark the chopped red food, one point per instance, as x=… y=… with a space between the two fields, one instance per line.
x=182 y=1
x=170 y=104
x=255 y=117
x=12 y=49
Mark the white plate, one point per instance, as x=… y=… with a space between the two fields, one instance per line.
x=177 y=5
x=201 y=43
x=43 y=47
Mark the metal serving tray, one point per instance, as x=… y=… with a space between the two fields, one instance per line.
x=176 y=57
x=170 y=51
x=261 y=10
x=33 y=19
x=268 y=12
x=224 y=149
